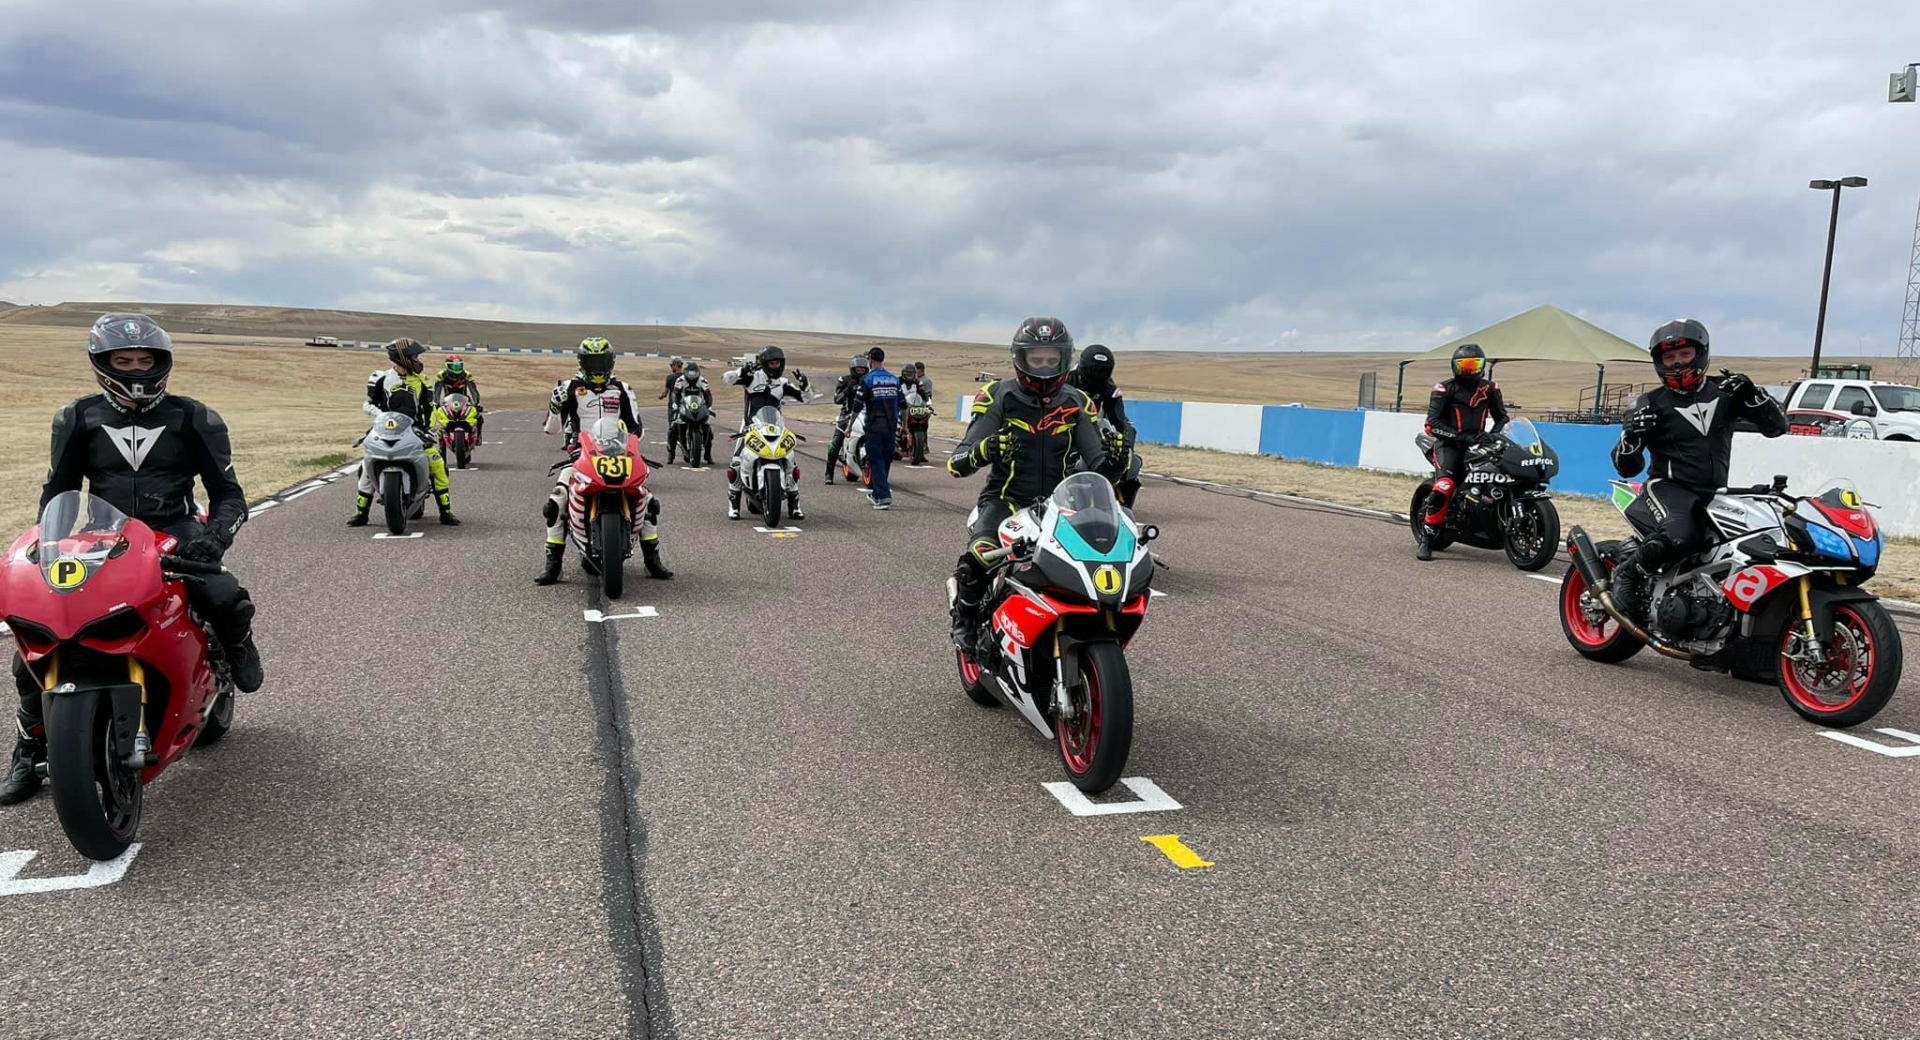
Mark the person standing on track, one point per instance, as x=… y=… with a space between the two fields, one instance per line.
x=857 y=368
x=405 y=377
x=1457 y=416
x=878 y=395
x=1687 y=427
x=1023 y=432
x=671 y=394
x=140 y=448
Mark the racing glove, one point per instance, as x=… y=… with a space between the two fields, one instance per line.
x=1737 y=386
x=206 y=547
x=1641 y=422
x=995 y=447
x=1113 y=441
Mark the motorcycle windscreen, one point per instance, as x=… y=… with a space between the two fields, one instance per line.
x=609 y=435
x=768 y=415
x=1527 y=455
x=1090 y=527
x=77 y=533
x=457 y=406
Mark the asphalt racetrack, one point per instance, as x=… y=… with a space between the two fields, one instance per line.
x=765 y=809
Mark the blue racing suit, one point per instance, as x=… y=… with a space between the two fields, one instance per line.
x=879 y=396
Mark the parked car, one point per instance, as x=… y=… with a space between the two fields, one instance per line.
x=1817 y=405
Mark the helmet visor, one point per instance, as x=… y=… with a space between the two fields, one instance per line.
x=600 y=365
x=1043 y=360
x=1469 y=366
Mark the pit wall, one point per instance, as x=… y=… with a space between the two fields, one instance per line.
x=1886 y=473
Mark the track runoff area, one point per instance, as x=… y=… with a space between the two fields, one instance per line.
x=1366 y=798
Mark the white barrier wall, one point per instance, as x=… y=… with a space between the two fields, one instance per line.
x=1887 y=473
x=1386 y=442
x=1224 y=427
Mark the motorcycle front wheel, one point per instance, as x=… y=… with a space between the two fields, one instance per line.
x=96 y=796
x=1532 y=542
x=463 y=452
x=772 y=493
x=1852 y=676
x=393 y=501
x=613 y=552
x=1094 y=744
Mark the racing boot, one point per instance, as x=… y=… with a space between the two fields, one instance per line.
x=1423 y=543
x=551 y=572
x=22 y=777
x=793 y=506
x=673 y=441
x=360 y=507
x=650 y=555
x=445 y=502
x=733 y=503
x=1630 y=589
x=243 y=659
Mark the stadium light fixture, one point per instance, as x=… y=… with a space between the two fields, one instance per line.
x=1826 y=276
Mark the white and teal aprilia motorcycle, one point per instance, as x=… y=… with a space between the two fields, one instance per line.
x=1067 y=593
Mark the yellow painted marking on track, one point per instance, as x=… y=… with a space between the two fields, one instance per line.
x=784 y=534
x=1177 y=851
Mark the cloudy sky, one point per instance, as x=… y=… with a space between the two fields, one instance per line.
x=1220 y=174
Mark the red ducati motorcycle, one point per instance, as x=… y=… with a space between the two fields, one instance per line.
x=609 y=499
x=98 y=609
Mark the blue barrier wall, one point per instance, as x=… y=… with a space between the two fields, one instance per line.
x=1313 y=434
x=1156 y=422
x=1586 y=456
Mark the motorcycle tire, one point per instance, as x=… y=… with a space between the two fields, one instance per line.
x=973 y=679
x=1606 y=642
x=1416 y=517
x=97 y=797
x=1547 y=520
x=1864 y=625
x=772 y=494
x=462 y=454
x=1094 y=750
x=614 y=533
x=393 y=502
x=219 y=719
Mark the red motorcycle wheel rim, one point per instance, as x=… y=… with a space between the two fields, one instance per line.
x=1080 y=741
x=1807 y=698
x=969 y=672
x=1583 y=628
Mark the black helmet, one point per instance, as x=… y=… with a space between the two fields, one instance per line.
x=405 y=354
x=595 y=355
x=691 y=373
x=1469 y=363
x=1685 y=376
x=133 y=391
x=1096 y=366
x=773 y=360
x=859 y=363
x=1041 y=338
x=400 y=399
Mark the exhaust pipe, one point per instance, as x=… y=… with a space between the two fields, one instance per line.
x=1586 y=559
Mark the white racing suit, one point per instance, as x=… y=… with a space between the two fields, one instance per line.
x=762 y=392
x=576 y=405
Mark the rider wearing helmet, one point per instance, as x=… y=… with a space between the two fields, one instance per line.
x=454 y=379
x=689 y=383
x=670 y=393
x=139 y=448
x=1093 y=376
x=767 y=384
x=1023 y=432
x=592 y=394
x=406 y=378
x=1687 y=427
x=857 y=368
x=1457 y=415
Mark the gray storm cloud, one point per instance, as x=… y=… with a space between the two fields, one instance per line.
x=1237 y=175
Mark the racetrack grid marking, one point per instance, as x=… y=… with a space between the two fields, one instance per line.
x=399 y=537
x=99 y=873
x=597 y=617
x=1546 y=578
x=1177 y=851
x=1891 y=751
x=1150 y=798
x=779 y=531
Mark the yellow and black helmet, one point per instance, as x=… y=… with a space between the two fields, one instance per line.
x=595 y=355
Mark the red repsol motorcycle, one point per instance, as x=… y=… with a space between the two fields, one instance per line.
x=610 y=501
x=98 y=610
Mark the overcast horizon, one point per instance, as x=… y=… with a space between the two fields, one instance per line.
x=1220 y=176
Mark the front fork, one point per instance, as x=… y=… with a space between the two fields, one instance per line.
x=127 y=703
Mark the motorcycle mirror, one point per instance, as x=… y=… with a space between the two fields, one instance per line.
x=1150 y=532
x=1779 y=481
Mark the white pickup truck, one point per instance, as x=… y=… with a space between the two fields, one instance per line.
x=1826 y=406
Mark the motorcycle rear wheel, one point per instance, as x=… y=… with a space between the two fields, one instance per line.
x=97 y=797
x=613 y=553
x=393 y=502
x=1093 y=748
x=973 y=679
x=1863 y=640
x=219 y=719
x=1523 y=550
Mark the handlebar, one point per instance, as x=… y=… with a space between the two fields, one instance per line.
x=1001 y=553
x=182 y=565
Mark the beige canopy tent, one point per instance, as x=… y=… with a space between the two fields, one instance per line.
x=1545 y=333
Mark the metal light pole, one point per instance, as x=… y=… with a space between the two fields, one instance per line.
x=1826 y=277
